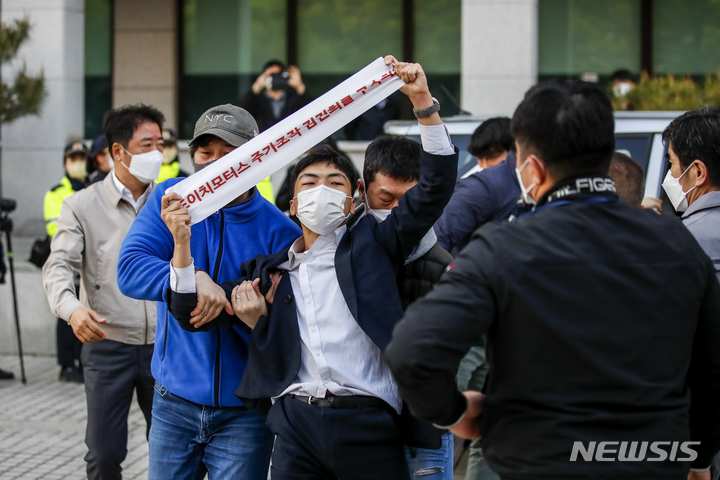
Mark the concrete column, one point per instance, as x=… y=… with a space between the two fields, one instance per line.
x=499 y=54
x=32 y=153
x=145 y=65
x=32 y=156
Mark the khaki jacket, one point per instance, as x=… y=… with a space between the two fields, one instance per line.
x=91 y=229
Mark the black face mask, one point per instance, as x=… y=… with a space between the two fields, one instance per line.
x=197 y=167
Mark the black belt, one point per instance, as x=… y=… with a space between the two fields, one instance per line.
x=350 y=401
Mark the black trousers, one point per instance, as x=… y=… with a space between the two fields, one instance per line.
x=68 y=345
x=335 y=443
x=113 y=371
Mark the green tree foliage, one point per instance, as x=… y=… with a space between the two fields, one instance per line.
x=24 y=96
x=671 y=94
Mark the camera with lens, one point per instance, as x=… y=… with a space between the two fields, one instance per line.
x=278 y=81
x=7 y=205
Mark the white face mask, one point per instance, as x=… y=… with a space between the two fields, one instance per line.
x=145 y=166
x=77 y=170
x=621 y=89
x=525 y=192
x=674 y=191
x=380 y=214
x=321 y=209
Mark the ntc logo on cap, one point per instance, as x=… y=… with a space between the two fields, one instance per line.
x=77 y=146
x=216 y=118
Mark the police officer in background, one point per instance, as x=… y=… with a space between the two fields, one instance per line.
x=100 y=161
x=75 y=161
x=600 y=318
x=171 y=164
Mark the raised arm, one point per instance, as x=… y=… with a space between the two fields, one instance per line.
x=143 y=266
x=422 y=205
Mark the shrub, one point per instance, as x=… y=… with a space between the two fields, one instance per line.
x=670 y=93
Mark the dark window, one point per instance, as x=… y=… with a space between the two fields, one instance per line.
x=98 y=64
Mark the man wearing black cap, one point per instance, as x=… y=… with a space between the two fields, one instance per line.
x=171 y=163
x=75 y=163
x=198 y=423
x=601 y=319
x=100 y=160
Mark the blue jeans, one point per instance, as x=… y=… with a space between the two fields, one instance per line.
x=187 y=439
x=432 y=464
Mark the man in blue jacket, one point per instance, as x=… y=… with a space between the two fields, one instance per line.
x=198 y=423
x=318 y=353
x=489 y=195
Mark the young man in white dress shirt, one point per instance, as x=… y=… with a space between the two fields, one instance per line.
x=318 y=354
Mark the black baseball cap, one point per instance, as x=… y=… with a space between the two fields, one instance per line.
x=99 y=145
x=233 y=124
x=170 y=136
x=75 y=147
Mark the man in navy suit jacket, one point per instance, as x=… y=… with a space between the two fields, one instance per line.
x=317 y=351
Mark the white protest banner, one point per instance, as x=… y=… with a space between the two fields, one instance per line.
x=213 y=187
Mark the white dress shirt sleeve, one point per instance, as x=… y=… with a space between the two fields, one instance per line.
x=436 y=140
x=182 y=280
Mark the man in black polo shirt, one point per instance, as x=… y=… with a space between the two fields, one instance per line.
x=601 y=319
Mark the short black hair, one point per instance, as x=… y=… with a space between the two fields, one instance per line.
x=569 y=124
x=396 y=156
x=273 y=62
x=623 y=75
x=491 y=138
x=629 y=179
x=695 y=135
x=120 y=123
x=327 y=155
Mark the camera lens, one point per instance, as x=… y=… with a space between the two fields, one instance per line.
x=7 y=205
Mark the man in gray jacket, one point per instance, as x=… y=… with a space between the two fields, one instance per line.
x=693 y=184
x=118 y=332
x=693 y=181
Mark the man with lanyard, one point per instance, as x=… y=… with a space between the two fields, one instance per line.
x=600 y=318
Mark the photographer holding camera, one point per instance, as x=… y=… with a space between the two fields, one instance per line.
x=277 y=93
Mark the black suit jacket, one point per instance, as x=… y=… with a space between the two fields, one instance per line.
x=367 y=261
